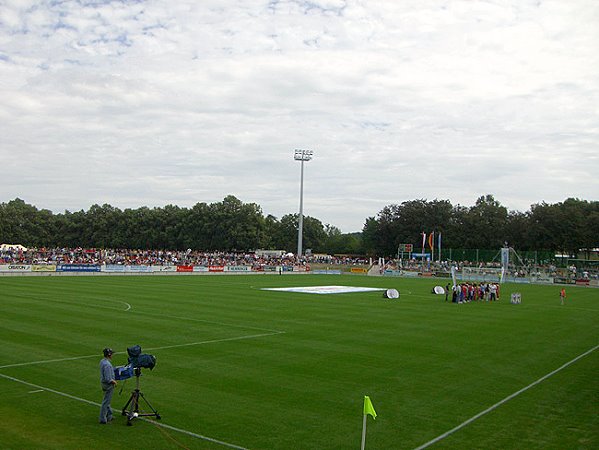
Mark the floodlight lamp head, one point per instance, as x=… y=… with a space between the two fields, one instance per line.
x=303 y=155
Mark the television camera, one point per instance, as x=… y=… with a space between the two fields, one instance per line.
x=137 y=360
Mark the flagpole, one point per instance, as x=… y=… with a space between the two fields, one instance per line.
x=423 y=244
x=363 y=433
x=368 y=409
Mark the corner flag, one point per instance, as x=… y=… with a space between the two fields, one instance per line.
x=368 y=408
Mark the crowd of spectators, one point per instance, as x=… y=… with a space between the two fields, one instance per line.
x=524 y=269
x=164 y=257
x=19 y=255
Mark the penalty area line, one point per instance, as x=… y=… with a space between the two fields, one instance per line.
x=89 y=402
x=505 y=400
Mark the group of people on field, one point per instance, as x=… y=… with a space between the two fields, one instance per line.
x=472 y=292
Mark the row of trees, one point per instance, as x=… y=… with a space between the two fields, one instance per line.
x=564 y=227
x=233 y=225
x=227 y=225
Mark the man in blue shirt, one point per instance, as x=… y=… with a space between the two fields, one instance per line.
x=108 y=383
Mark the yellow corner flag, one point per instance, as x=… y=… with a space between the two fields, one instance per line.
x=368 y=408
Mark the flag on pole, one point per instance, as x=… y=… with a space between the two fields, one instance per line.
x=423 y=240
x=431 y=240
x=439 y=246
x=368 y=408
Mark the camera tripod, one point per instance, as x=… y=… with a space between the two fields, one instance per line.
x=134 y=403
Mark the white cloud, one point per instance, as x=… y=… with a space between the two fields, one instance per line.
x=148 y=103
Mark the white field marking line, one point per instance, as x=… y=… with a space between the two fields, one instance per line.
x=95 y=305
x=217 y=340
x=247 y=327
x=89 y=402
x=505 y=400
x=213 y=341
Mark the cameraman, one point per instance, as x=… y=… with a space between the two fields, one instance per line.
x=108 y=383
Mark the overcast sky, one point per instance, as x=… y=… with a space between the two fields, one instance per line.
x=149 y=103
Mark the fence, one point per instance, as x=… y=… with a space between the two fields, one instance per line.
x=540 y=257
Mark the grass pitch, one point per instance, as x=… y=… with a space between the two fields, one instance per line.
x=239 y=367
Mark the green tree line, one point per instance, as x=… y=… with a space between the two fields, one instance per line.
x=231 y=225
x=564 y=227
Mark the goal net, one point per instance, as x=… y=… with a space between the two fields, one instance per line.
x=483 y=274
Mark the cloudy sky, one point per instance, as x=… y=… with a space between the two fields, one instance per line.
x=147 y=103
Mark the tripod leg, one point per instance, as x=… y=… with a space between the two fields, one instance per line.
x=133 y=413
x=136 y=401
x=124 y=412
x=155 y=413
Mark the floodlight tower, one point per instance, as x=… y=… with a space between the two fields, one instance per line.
x=301 y=155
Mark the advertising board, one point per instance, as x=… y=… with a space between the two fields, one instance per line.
x=15 y=268
x=78 y=268
x=43 y=268
x=164 y=268
x=141 y=268
x=238 y=268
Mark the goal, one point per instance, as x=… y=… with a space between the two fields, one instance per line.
x=483 y=274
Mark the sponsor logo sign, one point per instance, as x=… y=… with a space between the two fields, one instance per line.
x=78 y=268
x=409 y=274
x=140 y=268
x=237 y=268
x=216 y=268
x=543 y=280
x=392 y=273
x=119 y=268
x=43 y=268
x=358 y=270
x=164 y=268
x=15 y=268
x=200 y=269
x=184 y=268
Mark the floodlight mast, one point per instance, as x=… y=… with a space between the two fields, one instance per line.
x=301 y=155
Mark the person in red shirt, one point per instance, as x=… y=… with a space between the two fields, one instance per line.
x=562 y=295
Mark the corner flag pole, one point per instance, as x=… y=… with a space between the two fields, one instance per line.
x=363 y=433
x=368 y=409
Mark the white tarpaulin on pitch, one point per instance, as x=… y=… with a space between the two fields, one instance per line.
x=325 y=289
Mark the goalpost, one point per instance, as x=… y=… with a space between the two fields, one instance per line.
x=509 y=261
x=483 y=274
